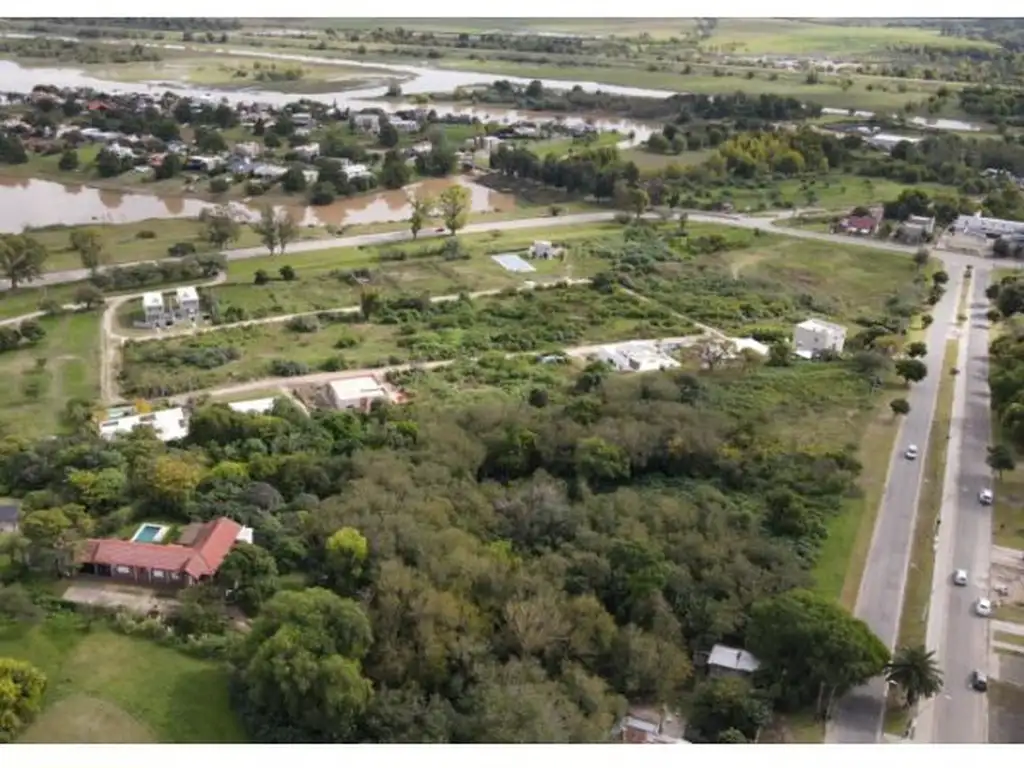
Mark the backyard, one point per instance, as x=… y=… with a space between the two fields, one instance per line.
x=105 y=687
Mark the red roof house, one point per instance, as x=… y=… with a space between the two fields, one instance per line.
x=174 y=565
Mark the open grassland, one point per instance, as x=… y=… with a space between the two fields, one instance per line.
x=39 y=379
x=403 y=332
x=220 y=71
x=791 y=37
x=839 y=193
x=107 y=688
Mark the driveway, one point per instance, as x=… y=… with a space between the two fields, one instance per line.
x=125 y=596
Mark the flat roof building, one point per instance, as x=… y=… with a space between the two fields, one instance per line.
x=171 y=424
x=154 y=300
x=359 y=392
x=262 y=405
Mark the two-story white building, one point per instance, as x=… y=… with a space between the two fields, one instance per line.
x=153 y=308
x=187 y=298
x=813 y=336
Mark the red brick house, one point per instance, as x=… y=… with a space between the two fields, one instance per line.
x=199 y=553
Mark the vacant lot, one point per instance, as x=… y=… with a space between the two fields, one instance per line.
x=107 y=688
x=403 y=330
x=38 y=380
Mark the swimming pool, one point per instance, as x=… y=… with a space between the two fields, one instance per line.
x=149 y=533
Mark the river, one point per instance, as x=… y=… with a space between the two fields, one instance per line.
x=36 y=203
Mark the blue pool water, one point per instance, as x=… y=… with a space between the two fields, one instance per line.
x=148 y=533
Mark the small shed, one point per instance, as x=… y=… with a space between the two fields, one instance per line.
x=8 y=517
x=725 y=660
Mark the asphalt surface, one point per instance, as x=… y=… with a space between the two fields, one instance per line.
x=960 y=715
x=858 y=716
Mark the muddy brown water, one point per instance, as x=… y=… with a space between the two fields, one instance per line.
x=37 y=203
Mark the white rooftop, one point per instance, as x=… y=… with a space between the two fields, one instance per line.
x=244 y=535
x=171 y=424
x=262 y=405
x=733 y=658
x=187 y=293
x=814 y=324
x=751 y=344
x=153 y=300
x=357 y=388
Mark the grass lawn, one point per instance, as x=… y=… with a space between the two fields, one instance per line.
x=845 y=282
x=564 y=145
x=1009 y=637
x=104 y=687
x=914 y=618
x=656 y=161
x=39 y=380
x=785 y=36
x=571 y=316
x=122 y=243
x=219 y=71
x=839 y=193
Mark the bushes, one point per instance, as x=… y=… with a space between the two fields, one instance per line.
x=219 y=185
x=288 y=368
x=303 y=324
x=181 y=249
x=261 y=277
x=25 y=335
x=145 y=234
x=145 y=275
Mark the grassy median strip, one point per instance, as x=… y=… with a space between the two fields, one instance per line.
x=913 y=619
x=1009 y=637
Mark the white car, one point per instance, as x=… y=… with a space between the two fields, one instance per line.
x=911 y=452
x=960 y=577
x=983 y=607
x=985 y=497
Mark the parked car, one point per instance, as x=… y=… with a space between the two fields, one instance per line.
x=960 y=577
x=983 y=607
x=986 y=497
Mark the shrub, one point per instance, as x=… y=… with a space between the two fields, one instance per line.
x=145 y=234
x=31 y=331
x=303 y=324
x=50 y=307
x=261 y=277
x=288 y=368
x=181 y=249
x=334 y=363
x=287 y=272
x=219 y=185
x=254 y=188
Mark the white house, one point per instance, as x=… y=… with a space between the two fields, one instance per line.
x=640 y=357
x=982 y=226
x=248 y=149
x=263 y=405
x=369 y=123
x=153 y=308
x=813 y=336
x=171 y=424
x=542 y=249
x=302 y=118
x=357 y=392
x=308 y=152
x=188 y=301
x=405 y=126
x=268 y=172
x=357 y=171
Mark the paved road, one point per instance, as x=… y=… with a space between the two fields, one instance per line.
x=959 y=715
x=858 y=717
x=762 y=221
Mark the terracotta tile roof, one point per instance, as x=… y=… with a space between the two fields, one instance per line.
x=201 y=559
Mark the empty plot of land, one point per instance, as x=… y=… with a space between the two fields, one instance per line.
x=1006 y=713
x=134 y=599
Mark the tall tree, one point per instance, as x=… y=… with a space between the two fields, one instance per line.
x=915 y=670
x=812 y=650
x=249 y=573
x=220 y=227
x=266 y=228
x=453 y=204
x=1000 y=459
x=287 y=229
x=422 y=210
x=21 y=258
x=726 y=704
x=88 y=244
x=911 y=370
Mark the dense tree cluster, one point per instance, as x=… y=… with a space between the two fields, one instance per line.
x=502 y=571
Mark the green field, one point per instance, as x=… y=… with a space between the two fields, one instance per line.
x=530 y=322
x=38 y=380
x=783 y=36
x=107 y=688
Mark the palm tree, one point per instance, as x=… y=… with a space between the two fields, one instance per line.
x=916 y=672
